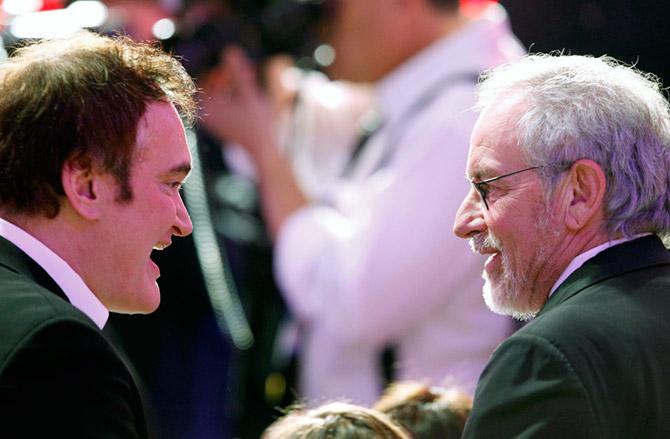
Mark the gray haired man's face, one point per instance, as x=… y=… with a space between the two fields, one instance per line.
x=517 y=231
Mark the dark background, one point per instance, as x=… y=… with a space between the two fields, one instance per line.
x=633 y=31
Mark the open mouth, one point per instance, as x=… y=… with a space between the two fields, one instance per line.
x=154 y=267
x=161 y=245
x=493 y=260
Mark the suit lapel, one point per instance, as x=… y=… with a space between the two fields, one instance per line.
x=629 y=256
x=13 y=259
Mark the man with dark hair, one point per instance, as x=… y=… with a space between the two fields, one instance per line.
x=94 y=153
x=362 y=267
x=570 y=169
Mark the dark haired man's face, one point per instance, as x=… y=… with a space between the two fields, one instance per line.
x=156 y=212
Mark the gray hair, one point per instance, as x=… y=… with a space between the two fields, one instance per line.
x=577 y=107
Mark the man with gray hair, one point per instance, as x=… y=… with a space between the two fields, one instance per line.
x=570 y=170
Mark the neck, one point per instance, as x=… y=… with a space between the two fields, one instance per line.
x=426 y=27
x=430 y=27
x=61 y=236
x=566 y=250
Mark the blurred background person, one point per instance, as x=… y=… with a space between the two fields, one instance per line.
x=426 y=412
x=363 y=265
x=335 y=420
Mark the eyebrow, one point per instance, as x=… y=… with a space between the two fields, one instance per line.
x=179 y=169
x=479 y=175
x=482 y=172
x=182 y=168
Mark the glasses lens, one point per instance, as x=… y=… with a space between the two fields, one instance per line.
x=482 y=195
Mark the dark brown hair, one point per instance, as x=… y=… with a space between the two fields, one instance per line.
x=426 y=412
x=78 y=98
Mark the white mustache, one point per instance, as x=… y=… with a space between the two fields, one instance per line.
x=480 y=243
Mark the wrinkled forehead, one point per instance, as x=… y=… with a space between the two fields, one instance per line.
x=494 y=147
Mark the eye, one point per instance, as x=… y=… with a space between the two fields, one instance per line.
x=176 y=185
x=483 y=189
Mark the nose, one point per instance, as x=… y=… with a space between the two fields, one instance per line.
x=469 y=219
x=183 y=225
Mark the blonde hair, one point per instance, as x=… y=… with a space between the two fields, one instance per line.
x=335 y=420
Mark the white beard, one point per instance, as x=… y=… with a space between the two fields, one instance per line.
x=513 y=294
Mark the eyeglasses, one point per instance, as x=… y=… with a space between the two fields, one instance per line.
x=482 y=186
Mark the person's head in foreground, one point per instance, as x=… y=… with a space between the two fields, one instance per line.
x=94 y=152
x=335 y=420
x=426 y=412
x=569 y=152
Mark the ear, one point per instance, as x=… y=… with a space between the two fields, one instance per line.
x=584 y=194
x=83 y=189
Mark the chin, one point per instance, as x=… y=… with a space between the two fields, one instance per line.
x=149 y=300
x=147 y=308
x=140 y=301
x=505 y=301
x=138 y=307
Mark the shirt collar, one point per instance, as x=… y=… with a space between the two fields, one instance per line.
x=79 y=295
x=472 y=48
x=580 y=259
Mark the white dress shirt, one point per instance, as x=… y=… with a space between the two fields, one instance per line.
x=79 y=295
x=379 y=264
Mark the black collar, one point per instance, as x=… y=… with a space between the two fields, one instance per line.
x=637 y=254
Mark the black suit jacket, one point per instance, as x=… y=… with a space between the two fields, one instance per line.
x=594 y=363
x=59 y=376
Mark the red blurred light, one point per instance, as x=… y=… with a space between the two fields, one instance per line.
x=48 y=5
x=474 y=8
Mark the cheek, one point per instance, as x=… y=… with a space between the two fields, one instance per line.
x=154 y=208
x=516 y=238
x=166 y=211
